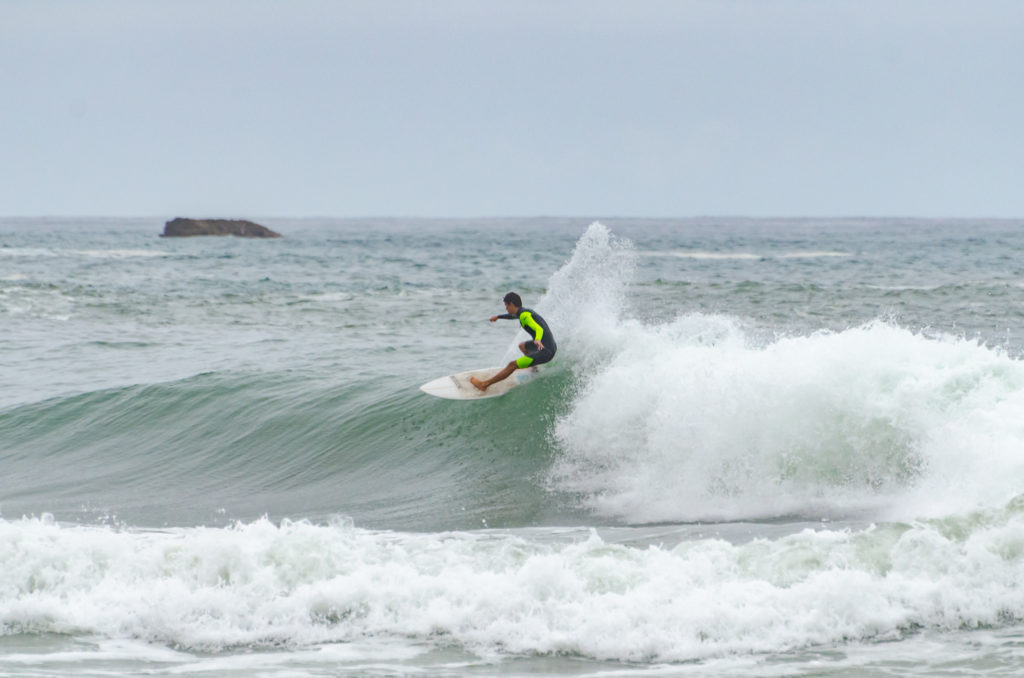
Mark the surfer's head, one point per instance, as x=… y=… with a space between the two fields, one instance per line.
x=513 y=298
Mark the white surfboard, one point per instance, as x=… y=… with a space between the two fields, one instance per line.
x=458 y=386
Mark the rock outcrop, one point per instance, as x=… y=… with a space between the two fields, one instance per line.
x=182 y=228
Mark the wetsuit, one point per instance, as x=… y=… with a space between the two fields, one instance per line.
x=538 y=329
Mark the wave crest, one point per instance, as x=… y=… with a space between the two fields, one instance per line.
x=694 y=420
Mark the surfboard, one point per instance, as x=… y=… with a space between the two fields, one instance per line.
x=458 y=387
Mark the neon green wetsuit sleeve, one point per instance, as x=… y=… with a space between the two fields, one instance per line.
x=526 y=319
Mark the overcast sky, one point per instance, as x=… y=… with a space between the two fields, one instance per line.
x=512 y=108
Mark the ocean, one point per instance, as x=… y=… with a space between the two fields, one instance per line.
x=766 y=447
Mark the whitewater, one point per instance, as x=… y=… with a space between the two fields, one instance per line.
x=766 y=448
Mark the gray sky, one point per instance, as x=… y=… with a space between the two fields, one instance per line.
x=512 y=108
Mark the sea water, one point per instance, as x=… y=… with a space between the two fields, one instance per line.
x=765 y=448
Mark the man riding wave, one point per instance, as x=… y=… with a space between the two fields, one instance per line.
x=536 y=352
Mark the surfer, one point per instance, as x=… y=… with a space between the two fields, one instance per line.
x=536 y=352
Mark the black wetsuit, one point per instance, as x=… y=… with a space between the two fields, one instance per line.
x=534 y=324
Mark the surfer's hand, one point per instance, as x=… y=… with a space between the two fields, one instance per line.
x=540 y=346
x=494 y=319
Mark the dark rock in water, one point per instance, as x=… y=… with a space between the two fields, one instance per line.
x=181 y=228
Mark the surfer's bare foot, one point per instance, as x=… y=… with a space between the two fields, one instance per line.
x=479 y=384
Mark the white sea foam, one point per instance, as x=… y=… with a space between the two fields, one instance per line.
x=35 y=302
x=695 y=419
x=299 y=584
x=713 y=256
x=675 y=427
x=740 y=256
x=812 y=255
x=120 y=254
x=88 y=253
x=589 y=290
x=26 y=252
